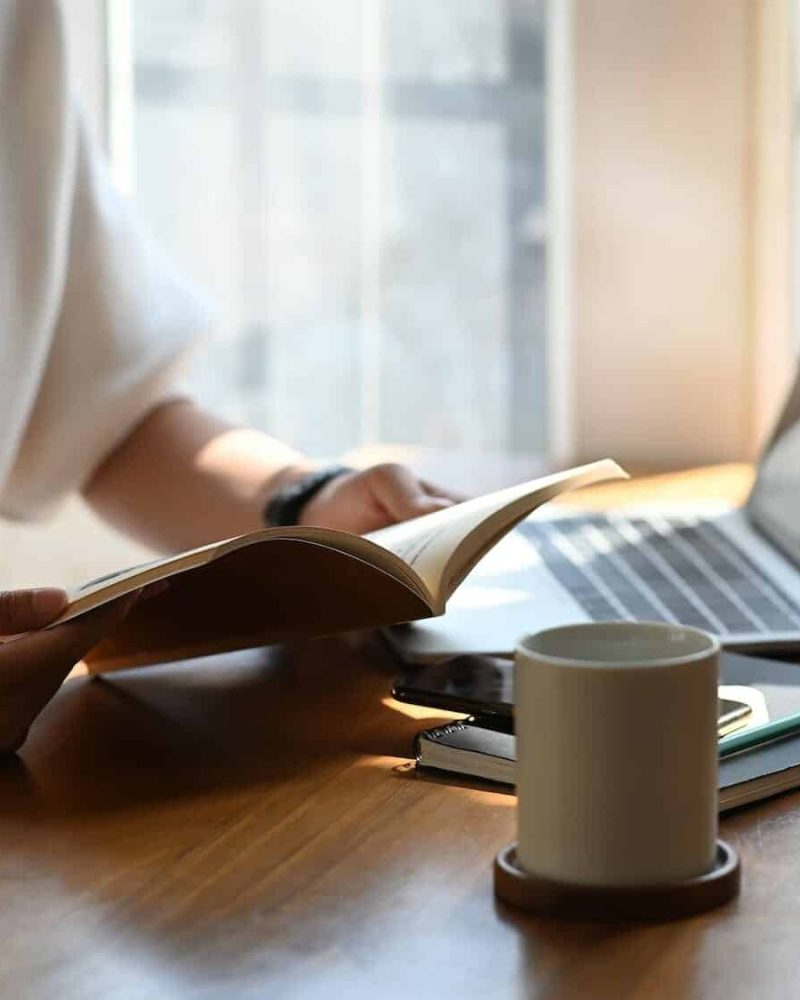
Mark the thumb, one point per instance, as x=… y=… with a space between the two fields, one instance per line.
x=24 y=610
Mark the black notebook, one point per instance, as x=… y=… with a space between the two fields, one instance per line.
x=480 y=748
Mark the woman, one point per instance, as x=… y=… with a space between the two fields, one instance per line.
x=93 y=328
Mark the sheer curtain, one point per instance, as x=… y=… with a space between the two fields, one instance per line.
x=359 y=184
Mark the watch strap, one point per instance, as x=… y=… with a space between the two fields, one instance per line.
x=284 y=508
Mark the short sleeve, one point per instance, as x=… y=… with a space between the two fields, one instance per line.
x=122 y=329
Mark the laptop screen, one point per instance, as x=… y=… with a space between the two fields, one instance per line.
x=774 y=504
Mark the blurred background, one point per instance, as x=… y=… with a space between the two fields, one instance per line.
x=507 y=233
x=360 y=188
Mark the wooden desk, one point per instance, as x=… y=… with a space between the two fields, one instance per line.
x=245 y=827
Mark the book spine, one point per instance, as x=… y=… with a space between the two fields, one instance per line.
x=437 y=733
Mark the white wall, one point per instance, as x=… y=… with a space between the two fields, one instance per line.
x=676 y=350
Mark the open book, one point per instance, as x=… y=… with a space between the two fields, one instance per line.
x=283 y=583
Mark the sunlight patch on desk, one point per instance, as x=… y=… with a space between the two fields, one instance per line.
x=419 y=711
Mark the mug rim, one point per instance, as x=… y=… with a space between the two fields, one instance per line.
x=712 y=645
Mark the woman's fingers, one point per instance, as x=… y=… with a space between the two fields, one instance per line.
x=24 y=610
x=33 y=666
x=401 y=493
x=437 y=491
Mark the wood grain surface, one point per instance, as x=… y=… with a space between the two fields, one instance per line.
x=248 y=826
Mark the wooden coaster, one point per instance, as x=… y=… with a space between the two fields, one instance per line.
x=666 y=901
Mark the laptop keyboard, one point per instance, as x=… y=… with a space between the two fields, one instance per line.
x=673 y=569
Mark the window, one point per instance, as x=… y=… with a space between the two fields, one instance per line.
x=360 y=186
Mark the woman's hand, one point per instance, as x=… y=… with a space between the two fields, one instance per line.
x=34 y=664
x=372 y=499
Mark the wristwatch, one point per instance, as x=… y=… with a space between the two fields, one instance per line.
x=285 y=506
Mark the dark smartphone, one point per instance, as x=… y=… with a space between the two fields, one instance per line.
x=483 y=685
x=469 y=684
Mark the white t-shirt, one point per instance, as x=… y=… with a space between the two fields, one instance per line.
x=92 y=321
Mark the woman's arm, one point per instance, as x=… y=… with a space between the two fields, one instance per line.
x=184 y=477
x=181 y=478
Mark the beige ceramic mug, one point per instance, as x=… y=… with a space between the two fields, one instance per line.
x=617 y=753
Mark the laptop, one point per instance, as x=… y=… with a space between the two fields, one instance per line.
x=734 y=572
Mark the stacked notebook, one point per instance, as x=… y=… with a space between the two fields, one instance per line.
x=482 y=747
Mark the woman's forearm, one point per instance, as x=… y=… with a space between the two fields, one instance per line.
x=184 y=477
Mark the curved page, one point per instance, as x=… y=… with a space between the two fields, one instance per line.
x=443 y=547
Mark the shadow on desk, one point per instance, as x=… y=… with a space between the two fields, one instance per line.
x=165 y=733
x=232 y=818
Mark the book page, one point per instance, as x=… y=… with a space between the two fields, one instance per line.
x=283 y=589
x=428 y=557
x=106 y=588
x=442 y=547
